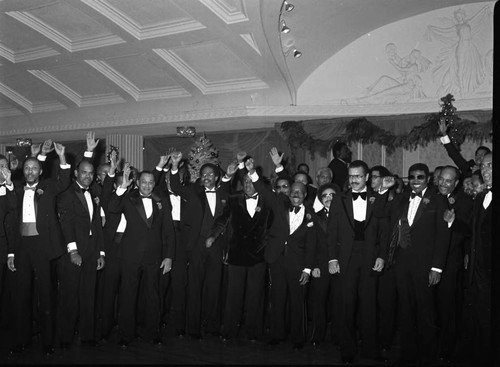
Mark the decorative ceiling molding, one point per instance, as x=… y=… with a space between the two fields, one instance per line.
x=138 y=94
x=204 y=86
x=27 y=54
x=59 y=38
x=249 y=38
x=143 y=32
x=48 y=106
x=9 y=111
x=15 y=97
x=229 y=14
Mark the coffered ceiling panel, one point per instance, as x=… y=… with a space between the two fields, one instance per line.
x=230 y=11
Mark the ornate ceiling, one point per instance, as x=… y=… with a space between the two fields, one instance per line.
x=148 y=66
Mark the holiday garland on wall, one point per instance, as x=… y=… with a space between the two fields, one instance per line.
x=363 y=131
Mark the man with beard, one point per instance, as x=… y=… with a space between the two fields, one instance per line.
x=40 y=243
x=289 y=253
x=80 y=218
x=359 y=256
x=449 y=290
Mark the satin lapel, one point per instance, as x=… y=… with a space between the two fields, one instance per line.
x=369 y=208
x=421 y=206
x=35 y=203
x=287 y=204
x=81 y=197
x=204 y=202
x=137 y=201
x=322 y=220
x=347 y=203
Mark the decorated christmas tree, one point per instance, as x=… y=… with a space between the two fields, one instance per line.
x=449 y=115
x=203 y=151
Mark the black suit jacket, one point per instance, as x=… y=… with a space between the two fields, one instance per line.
x=47 y=221
x=429 y=232
x=75 y=222
x=301 y=243
x=340 y=171
x=341 y=229
x=322 y=254
x=8 y=229
x=247 y=235
x=145 y=241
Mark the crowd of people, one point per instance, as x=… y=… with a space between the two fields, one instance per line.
x=358 y=254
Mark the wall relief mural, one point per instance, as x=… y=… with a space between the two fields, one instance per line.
x=415 y=60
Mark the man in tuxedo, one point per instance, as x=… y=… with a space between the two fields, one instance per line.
x=289 y=253
x=246 y=219
x=479 y=281
x=449 y=290
x=39 y=244
x=359 y=257
x=341 y=159
x=147 y=247
x=420 y=259
x=80 y=218
x=204 y=203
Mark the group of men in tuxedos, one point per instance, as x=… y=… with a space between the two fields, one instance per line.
x=112 y=244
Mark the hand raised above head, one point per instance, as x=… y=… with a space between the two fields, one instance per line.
x=387 y=182
x=276 y=157
x=91 y=142
x=232 y=168
x=442 y=126
x=249 y=164
x=240 y=156
x=60 y=149
x=47 y=147
x=35 y=149
x=176 y=158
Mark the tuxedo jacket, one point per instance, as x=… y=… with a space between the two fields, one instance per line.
x=479 y=269
x=341 y=229
x=8 y=205
x=145 y=240
x=195 y=209
x=112 y=220
x=301 y=243
x=47 y=221
x=322 y=254
x=76 y=225
x=339 y=170
x=247 y=235
x=429 y=232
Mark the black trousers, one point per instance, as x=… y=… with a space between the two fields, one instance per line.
x=110 y=278
x=358 y=284
x=387 y=302
x=245 y=292
x=32 y=284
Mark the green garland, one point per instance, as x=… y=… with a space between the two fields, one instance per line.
x=363 y=131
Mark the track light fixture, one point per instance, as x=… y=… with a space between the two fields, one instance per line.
x=284 y=28
x=288 y=6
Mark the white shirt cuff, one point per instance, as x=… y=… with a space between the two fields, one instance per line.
x=254 y=176
x=279 y=169
x=437 y=270
x=120 y=191
x=102 y=253
x=241 y=165
x=332 y=261
x=111 y=174
x=65 y=166
x=71 y=246
x=88 y=154
x=158 y=168
x=174 y=171
x=226 y=178
x=166 y=169
x=383 y=191
x=307 y=271
x=10 y=187
x=10 y=255
x=41 y=158
x=445 y=139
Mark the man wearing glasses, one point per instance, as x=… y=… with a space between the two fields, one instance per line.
x=357 y=248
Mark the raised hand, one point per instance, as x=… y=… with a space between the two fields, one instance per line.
x=442 y=126
x=176 y=158
x=113 y=165
x=163 y=161
x=126 y=176
x=387 y=182
x=60 y=150
x=47 y=147
x=232 y=168
x=91 y=142
x=249 y=164
x=35 y=149
x=240 y=156
x=276 y=157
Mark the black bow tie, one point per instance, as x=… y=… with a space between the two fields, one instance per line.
x=413 y=194
x=85 y=190
x=255 y=197
x=145 y=196
x=210 y=191
x=355 y=195
x=295 y=209
x=32 y=188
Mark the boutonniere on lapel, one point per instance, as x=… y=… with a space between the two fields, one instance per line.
x=223 y=202
x=309 y=221
x=157 y=200
x=96 y=200
x=257 y=209
x=451 y=200
x=39 y=192
x=426 y=201
x=372 y=199
x=158 y=204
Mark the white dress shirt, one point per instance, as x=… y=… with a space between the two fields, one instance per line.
x=359 y=207
x=296 y=219
x=251 y=205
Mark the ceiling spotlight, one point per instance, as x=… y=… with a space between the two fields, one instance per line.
x=296 y=53
x=288 y=6
x=284 y=28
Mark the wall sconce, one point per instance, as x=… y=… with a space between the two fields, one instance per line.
x=186 y=131
x=288 y=6
x=284 y=28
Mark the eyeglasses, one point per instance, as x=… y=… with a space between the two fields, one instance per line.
x=487 y=165
x=359 y=177
x=206 y=175
x=375 y=176
x=282 y=186
x=418 y=177
x=328 y=194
